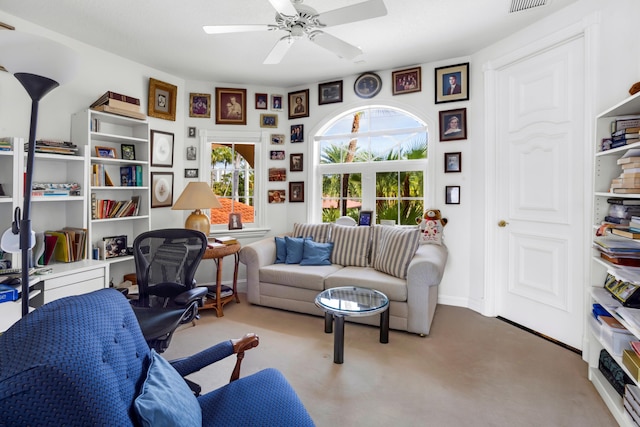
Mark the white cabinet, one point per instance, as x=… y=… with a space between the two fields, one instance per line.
x=605 y=169
x=107 y=133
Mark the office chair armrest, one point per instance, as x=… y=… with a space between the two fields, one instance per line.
x=191 y=295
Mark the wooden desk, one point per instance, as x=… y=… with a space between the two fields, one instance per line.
x=217 y=254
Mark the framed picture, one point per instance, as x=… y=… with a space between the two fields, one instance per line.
x=365 y=218
x=367 y=85
x=299 y=104
x=192 y=153
x=297 y=133
x=296 y=191
x=453 y=162
x=128 y=151
x=262 y=99
x=161 y=148
x=200 y=105
x=295 y=162
x=161 y=189
x=231 y=106
x=191 y=132
x=191 y=173
x=277 y=138
x=453 y=124
x=268 y=120
x=331 y=92
x=452 y=83
x=114 y=246
x=235 y=221
x=276 y=102
x=106 y=152
x=452 y=195
x=277 y=155
x=277 y=174
x=407 y=81
x=162 y=100
x=277 y=196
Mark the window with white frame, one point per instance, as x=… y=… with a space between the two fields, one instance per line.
x=372 y=159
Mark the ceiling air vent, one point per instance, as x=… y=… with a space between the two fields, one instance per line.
x=519 y=5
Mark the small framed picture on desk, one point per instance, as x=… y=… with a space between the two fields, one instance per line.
x=235 y=221
x=365 y=218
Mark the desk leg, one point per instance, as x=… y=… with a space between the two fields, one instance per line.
x=235 y=276
x=384 y=326
x=218 y=305
x=338 y=341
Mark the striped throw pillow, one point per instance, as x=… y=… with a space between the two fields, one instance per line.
x=350 y=245
x=396 y=247
x=318 y=232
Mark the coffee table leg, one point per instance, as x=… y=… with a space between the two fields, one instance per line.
x=384 y=326
x=328 y=323
x=338 y=341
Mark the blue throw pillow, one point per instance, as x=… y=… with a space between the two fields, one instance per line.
x=294 y=249
x=316 y=253
x=166 y=399
x=281 y=250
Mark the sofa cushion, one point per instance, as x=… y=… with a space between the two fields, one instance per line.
x=350 y=245
x=396 y=247
x=318 y=232
x=394 y=288
x=281 y=250
x=295 y=247
x=165 y=399
x=315 y=253
x=297 y=276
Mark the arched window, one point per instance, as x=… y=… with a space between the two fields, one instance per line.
x=371 y=159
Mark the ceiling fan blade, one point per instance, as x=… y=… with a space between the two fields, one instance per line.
x=335 y=45
x=284 y=7
x=357 y=12
x=224 y=29
x=279 y=50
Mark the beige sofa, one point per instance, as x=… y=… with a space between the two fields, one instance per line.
x=410 y=279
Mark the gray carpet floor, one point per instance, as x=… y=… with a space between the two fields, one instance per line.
x=470 y=371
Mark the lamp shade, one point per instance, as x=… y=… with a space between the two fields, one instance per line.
x=197 y=195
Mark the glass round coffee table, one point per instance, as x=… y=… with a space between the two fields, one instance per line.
x=338 y=303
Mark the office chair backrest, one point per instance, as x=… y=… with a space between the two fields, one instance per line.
x=166 y=262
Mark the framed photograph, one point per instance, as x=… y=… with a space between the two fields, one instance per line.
x=277 y=138
x=453 y=162
x=268 y=120
x=277 y=174
x=200 y=105
x=114 y=246
x=407 y=81
x=277 y=155
x=191 y=173
x=331 y=92
x=161 y=189
x=128 y=151
x=191 y=132
x=297 y=133
x=231 y=106
x=453 y=124
x=277 y=196
x=276 y=102
x=162 y=100
x=452 y=83
x=296 y=191
x=452 y=195
x=161 y=148
x=367 y=85
x=235 y=221
x=192 y=153
x=295 y=162
x=106 y=152
x=365 y=218
x=299 y=104
x=262 y=99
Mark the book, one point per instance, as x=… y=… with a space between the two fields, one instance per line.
x=117 y=96
x=627 y=262
x=626 y=190
x=611 y=323
x=227 y=240
x=125 y=105
x=620 y=124
x=120 y=112
x=625 y=232
x=616 y=220
x=626 y=130
x=621 y=201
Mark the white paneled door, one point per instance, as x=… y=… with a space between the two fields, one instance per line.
x=540 y=143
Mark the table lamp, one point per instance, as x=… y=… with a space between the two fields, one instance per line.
x=40 y=65
x=197 y=195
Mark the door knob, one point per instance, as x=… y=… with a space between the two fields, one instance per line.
x=502 y=223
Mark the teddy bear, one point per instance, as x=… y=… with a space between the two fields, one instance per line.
x=431 y=225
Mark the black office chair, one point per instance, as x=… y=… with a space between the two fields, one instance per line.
x=166 y=262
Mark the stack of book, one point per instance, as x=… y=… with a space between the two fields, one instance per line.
x=226 y=240
x=105 y=208
x=5 y=144
x=55 y=189
x=66 y=245
x=54 y=146
x=618 y=250
x=629 y=181
x=621 y=211
x=116 y=103
x=131 y=176
x=623 y=132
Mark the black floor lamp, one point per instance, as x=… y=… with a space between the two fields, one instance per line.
x=40 y=65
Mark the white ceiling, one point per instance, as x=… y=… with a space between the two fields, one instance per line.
x=167 y=35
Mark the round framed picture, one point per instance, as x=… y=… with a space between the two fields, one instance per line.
x=367 y=85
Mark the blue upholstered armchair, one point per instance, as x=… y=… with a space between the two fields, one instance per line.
x=82 y=360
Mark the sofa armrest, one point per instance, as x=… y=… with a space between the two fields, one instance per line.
x=254 y=256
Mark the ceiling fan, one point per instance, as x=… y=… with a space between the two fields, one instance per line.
x=301 y=21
